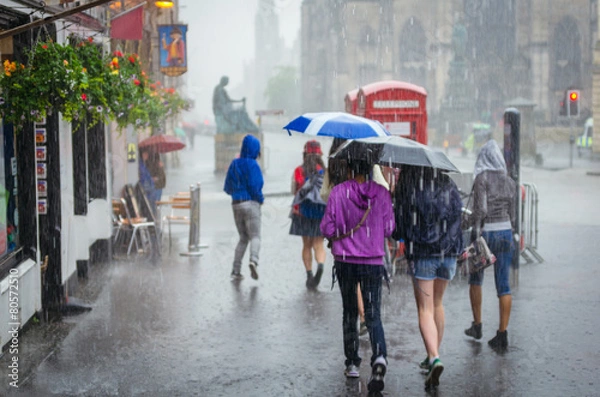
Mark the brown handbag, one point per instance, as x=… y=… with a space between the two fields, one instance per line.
x=355 y=228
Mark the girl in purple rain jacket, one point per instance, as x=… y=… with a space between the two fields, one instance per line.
x=359 y=260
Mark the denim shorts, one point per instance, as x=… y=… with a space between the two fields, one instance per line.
x=502 y=246
x=430 y=268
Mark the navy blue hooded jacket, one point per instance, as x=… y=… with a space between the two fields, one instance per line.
x=244 y=179
x=428 y=214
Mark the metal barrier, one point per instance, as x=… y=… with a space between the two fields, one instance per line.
x=194 y=238
x=529 y=223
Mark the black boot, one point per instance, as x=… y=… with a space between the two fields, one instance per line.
x=500 y=341
x=474 y=331
x=318 y=275
x=310 y=280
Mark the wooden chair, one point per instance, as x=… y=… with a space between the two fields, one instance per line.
x=145 y=228
x=118 y=217
x=177 y=203
x=134 y=221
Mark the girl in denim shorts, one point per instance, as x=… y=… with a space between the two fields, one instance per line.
x=428 y=219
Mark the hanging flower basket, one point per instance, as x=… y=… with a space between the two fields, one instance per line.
x=85 y=86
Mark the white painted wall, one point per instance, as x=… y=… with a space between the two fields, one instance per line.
x=78 y=232
x=123 y=172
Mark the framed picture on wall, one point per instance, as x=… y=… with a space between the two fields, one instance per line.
x=42 y=188
x=40 y=135
x=42 y=206
x=40 y=153
x=41 y=170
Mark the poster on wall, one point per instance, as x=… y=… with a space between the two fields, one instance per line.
x=40 y=135
x=131 y=153
x=42 y=188
x=40 y=153
x=41 y=170
x=42 y=206
x=173 y=49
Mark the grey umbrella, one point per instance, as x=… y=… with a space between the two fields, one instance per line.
x=394 y=151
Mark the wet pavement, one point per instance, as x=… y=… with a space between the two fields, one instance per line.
x=180 y=327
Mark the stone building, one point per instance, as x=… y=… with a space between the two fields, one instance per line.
x=534 y=49
x=268 y=49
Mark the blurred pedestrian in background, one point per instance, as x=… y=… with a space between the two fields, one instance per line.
x=152 y=176
x=308 y=208
x=244 y=183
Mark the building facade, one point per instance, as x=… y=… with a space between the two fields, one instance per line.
x=268 y=50
x=534 y=49
x=55 y=208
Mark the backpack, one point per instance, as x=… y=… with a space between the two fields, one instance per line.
x=312 y=205
x=438 y=216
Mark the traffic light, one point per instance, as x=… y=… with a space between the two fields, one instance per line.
x=563 y=107
x=572 y=104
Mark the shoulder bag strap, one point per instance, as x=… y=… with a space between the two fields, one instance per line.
x=355 y=228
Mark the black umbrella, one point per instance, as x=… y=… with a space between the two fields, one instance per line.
x=394 y=151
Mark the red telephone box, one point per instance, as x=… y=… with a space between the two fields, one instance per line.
x=350 y=101
x=399 y=106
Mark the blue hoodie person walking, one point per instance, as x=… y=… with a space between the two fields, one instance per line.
x=244 y=183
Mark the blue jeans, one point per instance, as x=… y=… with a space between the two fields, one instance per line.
x=501 y=244
x=153 y=195
x=369 y=277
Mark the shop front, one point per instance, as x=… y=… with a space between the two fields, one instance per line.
x=54 y=197
x=20 y=277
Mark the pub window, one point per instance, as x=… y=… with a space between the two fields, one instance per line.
x=9 y=217
x=89 y=166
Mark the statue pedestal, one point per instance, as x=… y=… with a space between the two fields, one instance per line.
x=227 y=148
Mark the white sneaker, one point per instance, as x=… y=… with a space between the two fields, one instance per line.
x=351 y=371
x=377 y=373
x=253 y=272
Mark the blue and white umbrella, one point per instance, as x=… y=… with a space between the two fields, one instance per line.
x=337 y=125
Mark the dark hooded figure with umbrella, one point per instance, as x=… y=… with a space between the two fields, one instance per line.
x=152 y=171
x=153 y=178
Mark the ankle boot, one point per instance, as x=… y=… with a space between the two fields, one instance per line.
x=310 y=280
x=474 y=331
x=500 y=341
x=318 y=275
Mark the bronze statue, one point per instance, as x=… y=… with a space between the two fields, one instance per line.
x=229 y=118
